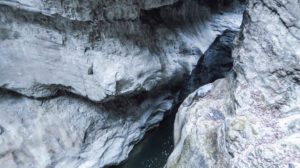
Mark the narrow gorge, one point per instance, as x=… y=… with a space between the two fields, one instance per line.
x=149 y=83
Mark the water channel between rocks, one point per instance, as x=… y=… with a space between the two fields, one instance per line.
x=157 y=145
x=154 y=149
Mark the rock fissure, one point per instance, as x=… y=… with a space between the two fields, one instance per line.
x=276 y=12
x=83 y=81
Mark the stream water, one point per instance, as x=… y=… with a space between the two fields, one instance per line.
x=154 y=149
x=157 y=145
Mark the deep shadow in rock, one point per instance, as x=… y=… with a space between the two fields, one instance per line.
x=154 y=149
x=214 y=64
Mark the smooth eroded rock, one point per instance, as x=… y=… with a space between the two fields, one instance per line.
x=132 y=46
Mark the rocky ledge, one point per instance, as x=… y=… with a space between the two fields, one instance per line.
x=250 y=118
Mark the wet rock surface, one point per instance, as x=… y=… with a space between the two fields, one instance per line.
x=259 y=101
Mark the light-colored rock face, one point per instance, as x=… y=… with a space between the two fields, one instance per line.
x=102 y=49
x=252 y=119
x=124 y=56
x=197 y=120
x=267 y=87
x=68 y=132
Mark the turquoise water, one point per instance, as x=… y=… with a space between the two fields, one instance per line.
x=154 y=149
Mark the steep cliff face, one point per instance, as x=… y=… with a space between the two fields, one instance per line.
x=251 y=118
x=82 y=81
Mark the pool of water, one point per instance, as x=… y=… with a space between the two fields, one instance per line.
x=154 y=149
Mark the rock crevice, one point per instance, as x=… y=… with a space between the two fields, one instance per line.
x=92 y=77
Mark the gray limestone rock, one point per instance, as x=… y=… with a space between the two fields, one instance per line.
x=260 y=102
x=132 y=46
x=70 y=132
x=89 y=78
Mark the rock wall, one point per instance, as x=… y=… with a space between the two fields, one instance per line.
x=69 y=131
x=82 y=81
x=103 y=49
x=250 y=118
